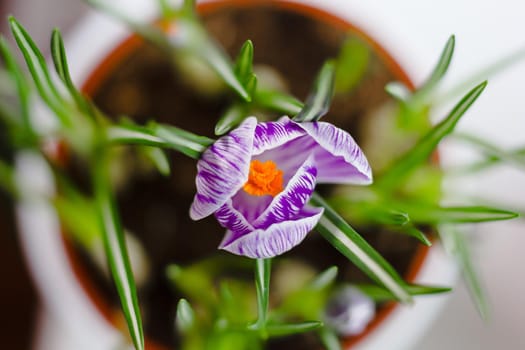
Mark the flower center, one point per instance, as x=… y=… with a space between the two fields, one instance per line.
x=264 y=178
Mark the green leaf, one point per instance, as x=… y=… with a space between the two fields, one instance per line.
x=345 y=239
x=244 y=64
x=318 y=102
x=414 y=232
x=280 y=330
x=380 y=294
x=492 y=151
x=7 y=179
x=324 y=279
x=58 y=53
x=168 y=12
x=158 y=135
x=440 y=68
x=469 y=214
x=262 y=285
x=457 y=246
x=22 y=86
x=37 y=67
x=158 y=158
x=330 y=339
x=279 y=102
x=116 y=251
x=231 y=118
x=398 y=91
x=351 y=65
x=185 y=318
x=421 y=152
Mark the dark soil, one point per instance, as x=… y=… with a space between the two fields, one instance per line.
x=155 y=208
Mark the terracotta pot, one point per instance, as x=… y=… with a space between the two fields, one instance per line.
x=69 y=294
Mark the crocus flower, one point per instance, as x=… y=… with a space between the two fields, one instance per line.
x=258 y=179
x=349 y=311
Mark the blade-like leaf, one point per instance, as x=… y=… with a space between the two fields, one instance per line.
x=398 y=91
x=37 y=67
x=168 y=12
x=351 y=65
x=116 y=252
x=380 y=294
x=456 y=245
x=158 y=158
x=244 y=64
x=420 y=152
x=345 y=239
x=158 y=135
x=440 y=68
x=324 y=279
x=232 y=117
x=414 y=232
x=185 y=318
x=22 y=86
x=318 y=101
x=295 y=328
x=472 y=214
x=330 y=339
x=279 y=102
x=58 y=53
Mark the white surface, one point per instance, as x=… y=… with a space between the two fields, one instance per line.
x=485 y=31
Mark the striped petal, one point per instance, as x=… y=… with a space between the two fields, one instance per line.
x=234 y=221
x=274 y=240
x=338 y=158
x=287 y=204
x=223 y=169
x=270 y=135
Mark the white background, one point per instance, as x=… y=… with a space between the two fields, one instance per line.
x=485 y=31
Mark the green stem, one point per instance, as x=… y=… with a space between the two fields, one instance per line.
x=262 y=283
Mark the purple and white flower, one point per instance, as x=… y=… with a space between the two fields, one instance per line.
x=258 y=179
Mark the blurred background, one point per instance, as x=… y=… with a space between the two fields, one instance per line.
x=485 y=32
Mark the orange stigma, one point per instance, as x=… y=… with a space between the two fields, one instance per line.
x=264 y=178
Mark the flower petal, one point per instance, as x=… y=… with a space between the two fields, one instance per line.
x=276 y=239
x=338 y=158
x=270 y=135
x=287 y=204
x=234 y=221
x=223 y=169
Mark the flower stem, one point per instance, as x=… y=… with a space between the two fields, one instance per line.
x=262 y=284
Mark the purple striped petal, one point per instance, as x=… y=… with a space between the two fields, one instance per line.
x=270 y=135
x=287 y=204
x=276 y=239
x=234 y=221
x=338 y=158
x=223 y=169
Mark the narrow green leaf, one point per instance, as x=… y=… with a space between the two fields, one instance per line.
x=423 y=149
x=351 y=65
x=244 y=64
x=516 y=156
x=380 y=294
x=22 y=86
x=469 y=214
x=279 y=102
x=282 y=330
x=414 y=232
x=158 y=158
x=37 y=67
x=318 y=102
x=493 y=151
x=329 y=339
x=58 y=53
x=116 y=251
x=262 y=285
x=188 y=7
x=398 y=91
x=324 y=279
x=158 y=135
x=231 y=118
x=185 y=318
x=440 y=68
x=457 y=246
x=345 y=239
x=168 y=12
